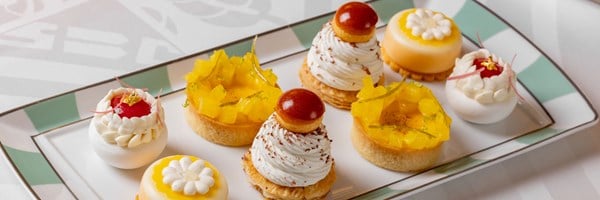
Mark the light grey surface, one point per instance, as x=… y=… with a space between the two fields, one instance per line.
x=42 y=42
x=49 y=47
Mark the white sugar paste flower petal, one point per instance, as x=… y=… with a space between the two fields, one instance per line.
x=189 y=188
x=178 y=185
x=427 y=35
x=201 y=187
x=185 y=162
x=188 y=177
x=197 y=166
x=206 y=172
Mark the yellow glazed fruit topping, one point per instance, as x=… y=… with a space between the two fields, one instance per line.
x=232 y=90
x=166 y=190
x=401 y=115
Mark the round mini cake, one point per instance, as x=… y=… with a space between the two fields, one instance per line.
x=182 y=177
x=229 y=98
x=400 y=127
x=421 y=44
x=481 y=88
x=342 y=53
x=290 y=157
x=128 y=129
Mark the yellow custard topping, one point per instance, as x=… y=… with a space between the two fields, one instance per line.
x=401 y=115
x=165 y=189
x=232 y=90
x=453 y=37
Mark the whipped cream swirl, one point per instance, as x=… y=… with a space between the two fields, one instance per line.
x=342 y=65
x=291 y=159
x=129 y=132
x=484 y=90
x=188 y=177
x=428 y=25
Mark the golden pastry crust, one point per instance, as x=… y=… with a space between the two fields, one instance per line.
x=299 y=127
x=338 y=98
x=348 y=37
x=220 y=133
x=405 y=160
x=270 y=190
x=414 y=75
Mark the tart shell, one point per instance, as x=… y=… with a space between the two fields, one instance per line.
x=403 y=160
x=221 y=133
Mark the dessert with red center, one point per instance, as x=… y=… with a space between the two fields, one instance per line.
x=481 y=89
x=293 y=133
x=489 y=67
x=130 y=106
x=128 y=129
x=342 y=53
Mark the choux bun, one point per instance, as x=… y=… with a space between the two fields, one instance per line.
x=355 y=22
x=300 y=110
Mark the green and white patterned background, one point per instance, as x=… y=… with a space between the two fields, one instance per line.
x=50 y=48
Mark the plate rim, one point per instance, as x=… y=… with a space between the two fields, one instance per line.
x=562 y=133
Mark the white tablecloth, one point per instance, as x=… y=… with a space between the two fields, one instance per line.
x=41 y=38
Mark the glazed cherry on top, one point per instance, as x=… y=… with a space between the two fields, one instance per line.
x=356 y=18
x=491 y=68
x=300 y=104
x=130 y=105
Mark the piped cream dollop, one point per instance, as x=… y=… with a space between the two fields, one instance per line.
x=484 y=90
x=428 y=24
x=291 y=159
x=129 y=132
x=342 y=65
x=188 y=177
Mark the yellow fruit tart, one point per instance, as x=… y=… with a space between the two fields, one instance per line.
x=228 y=98
x=421 y=44
x=182 y=177
x=400 y=127
x=290 y=157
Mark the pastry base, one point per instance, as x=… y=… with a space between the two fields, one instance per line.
x=411 y=74
x=397 y=160
x=348 y=37
x=270 y=190
x=220 y=133
x=338 y=98
x=298 y=127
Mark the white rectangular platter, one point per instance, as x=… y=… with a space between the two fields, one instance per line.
x=47 y=145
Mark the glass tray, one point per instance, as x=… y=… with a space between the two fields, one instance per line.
x=46 y=142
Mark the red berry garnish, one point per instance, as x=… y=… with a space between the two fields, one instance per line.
x=490 y=68
x=356 y=18
x=123 y=109
x=300 y=104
